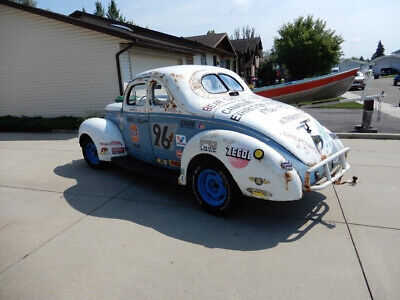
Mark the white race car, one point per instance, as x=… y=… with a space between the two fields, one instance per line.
x=205 y=124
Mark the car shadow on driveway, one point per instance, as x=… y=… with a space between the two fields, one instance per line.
x=171 y=210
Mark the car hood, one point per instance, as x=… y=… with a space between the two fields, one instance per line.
x=292 y=128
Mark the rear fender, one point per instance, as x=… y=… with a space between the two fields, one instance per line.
x=106 y=136
x=263 y=178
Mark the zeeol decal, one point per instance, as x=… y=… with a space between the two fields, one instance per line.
x=238 y=156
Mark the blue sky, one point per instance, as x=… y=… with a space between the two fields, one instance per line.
x=362 y=23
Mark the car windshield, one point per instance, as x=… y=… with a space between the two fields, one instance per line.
x=213 y=84
x=220 y=83
x=231 y=83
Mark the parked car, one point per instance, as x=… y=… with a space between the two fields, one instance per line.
x=206 y=126
x=359 y=81
x=396 y=80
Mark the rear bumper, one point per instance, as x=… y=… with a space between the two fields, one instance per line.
x=331 y=175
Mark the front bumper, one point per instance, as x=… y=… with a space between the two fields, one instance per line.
x=331 y=175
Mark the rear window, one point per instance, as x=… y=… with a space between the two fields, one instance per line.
x=213 y=84
x=231 y=83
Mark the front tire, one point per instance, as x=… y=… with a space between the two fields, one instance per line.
x=213 y=187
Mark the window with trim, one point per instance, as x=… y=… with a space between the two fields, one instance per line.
x=213 y=84
x=203 y=59
x=137 y=95
x=215 y=63
x=231 y=83
x=159 y=95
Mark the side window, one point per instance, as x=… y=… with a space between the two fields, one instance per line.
x=137 y=95
x=159 y=95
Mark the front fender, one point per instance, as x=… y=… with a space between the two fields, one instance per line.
x=263 y=178
x=106 y=136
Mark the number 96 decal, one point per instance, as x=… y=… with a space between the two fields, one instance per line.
x=162 y=135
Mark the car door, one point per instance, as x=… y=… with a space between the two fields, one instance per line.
x=135 y=123
x=167 y=144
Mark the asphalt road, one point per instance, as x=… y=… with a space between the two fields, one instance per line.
x=68 y=231
x=376 y=86
x=344 y=120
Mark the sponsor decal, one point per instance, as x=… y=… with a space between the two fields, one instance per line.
x=180 y=140
x=174 y=163
x=103 y=144
x=103 y=151
x=117 y=150
x=259 y=193
x=208 y=146
x=238 y=156
x=162 y=161
x=291 y=117
x=178 y=153
x=200 y=125
x=183 y=172
x=187 y=124
x=115 y=143
x=259 y=180
x=239 y=114
x=134 y=133
x=234 y=107
x=212 y=105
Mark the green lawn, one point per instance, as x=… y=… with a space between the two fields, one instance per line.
x=348 y=105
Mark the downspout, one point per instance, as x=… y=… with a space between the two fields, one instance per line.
x=120 y=84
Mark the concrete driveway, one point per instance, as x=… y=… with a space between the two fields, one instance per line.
x=67 y=231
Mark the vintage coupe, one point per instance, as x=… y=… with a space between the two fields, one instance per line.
x=220 y=138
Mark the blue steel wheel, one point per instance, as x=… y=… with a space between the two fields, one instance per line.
x=90 y=153
x=213 y=186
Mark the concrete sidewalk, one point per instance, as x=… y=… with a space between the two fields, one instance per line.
x=67 y=231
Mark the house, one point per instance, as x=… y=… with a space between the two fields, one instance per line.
x=53 y=65
x=249 y=52
x=386 y=61
x=218 y=41
x=396 y=52
x=348 y=64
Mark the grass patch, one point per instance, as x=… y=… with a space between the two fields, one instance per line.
x=347 y=105
x=38 y=124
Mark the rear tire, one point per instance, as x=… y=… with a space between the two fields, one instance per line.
x=90 y=154
x=213 y=187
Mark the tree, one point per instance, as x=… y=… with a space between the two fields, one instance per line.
x=212 y=31
x=361 y=58
x=307 y=48
x=99 y=11
x=113 y=12
x=32 y=3
x=247 y=33
x=266 y=73
x=83 y=9
x=380 y=51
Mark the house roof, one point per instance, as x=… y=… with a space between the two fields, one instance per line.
x=141 y=36
x=211 y=40
x=361 y=62
x=385 y=57
x=251 y=44
x=216 y=40
x=396 y=52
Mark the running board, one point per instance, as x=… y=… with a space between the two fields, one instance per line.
x=141 y=168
